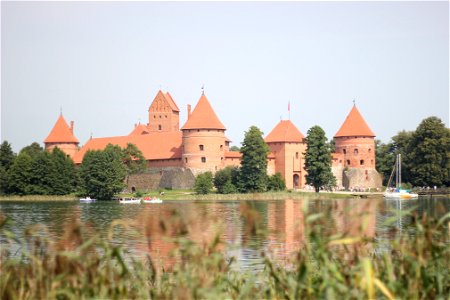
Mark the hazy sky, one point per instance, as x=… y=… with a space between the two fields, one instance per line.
x=103 y=63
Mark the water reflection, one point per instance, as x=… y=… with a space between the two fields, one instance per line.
x=246 y=228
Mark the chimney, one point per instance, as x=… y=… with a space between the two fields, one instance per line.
x=189 y=111
x=135 y=125
x=71 y=126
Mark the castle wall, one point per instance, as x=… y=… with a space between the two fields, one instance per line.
x=164 y=163
x=154 y=178
x=354 y=178
x=289 y=162
x=359 y=152
x=203 y=150
x=68 y=148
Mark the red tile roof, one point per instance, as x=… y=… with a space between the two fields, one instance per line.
x=285 y=131
x=203 y=117
x=61 y=133
x=155 y=145
x=233 y=154
x=139 y=130
x=354 y=125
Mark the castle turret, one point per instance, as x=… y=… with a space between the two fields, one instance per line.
x=204 y=140
x=62 y=136
x=355 y=144
x=287 y=144
x=163 y=114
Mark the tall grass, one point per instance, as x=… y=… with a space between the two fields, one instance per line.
x=328 y=265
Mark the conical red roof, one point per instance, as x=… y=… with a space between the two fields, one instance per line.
x=285 y=131
x=203 y=117
x=354 y=125
x=61 y=133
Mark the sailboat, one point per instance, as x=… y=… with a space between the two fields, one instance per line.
x=398 y=192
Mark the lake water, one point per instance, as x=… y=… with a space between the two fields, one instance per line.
x=247 y=227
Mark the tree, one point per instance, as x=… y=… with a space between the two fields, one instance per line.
x=7 y=156
x=102 y=172
x=204 y=183
x=429 y=150
x=401 y=145
x=253 y=172
x=385 y=159
x=32 y=150
x=276 y=183
x=225 y=179
x=19 y=174
x=65 y=175
x=133 y=159
x=318 y=159
x=42 y=175
x=235 y=149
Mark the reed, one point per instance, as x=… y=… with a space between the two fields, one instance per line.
x=329 y=264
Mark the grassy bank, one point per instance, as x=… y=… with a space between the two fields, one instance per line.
x=329 y=265
x=190 y=195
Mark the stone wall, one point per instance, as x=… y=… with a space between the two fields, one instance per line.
x=152 y=179
x=359 y=178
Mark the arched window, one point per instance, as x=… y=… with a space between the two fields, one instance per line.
x=348 y=162
x=201 y=147
x=159 y=127
x=296 y=180
x=344 y=151
x=296 y=155
x=361 y=162
x=185 y=159
x=221 y=147
x=370 y=150
x=355 y=151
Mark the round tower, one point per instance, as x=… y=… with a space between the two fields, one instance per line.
x=62 y=136
x=204 y=141
x=356 y=142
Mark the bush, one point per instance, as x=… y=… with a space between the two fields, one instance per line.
x=224 y=180
x=276 y=183
x=204 y=183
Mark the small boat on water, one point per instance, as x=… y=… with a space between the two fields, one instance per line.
x=398 y=192
x=87 y=200
x=152 y=200
x=130 y=200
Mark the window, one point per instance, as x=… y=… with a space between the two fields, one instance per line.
x=296 y=155
x=344 y=151
x=185 y=159
x=355 y=151
x=340 y=161
x=165 y=116
x=361 y=162
x=201 y=147
x=370 y=150
x=160 y=117
x=348 y=162
x=154 y=117
x=159 y=127
x=203 y=159
x=221 y=158
x=371 y=162
x=221 y=147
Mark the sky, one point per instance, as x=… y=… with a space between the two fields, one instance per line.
x=102 y=64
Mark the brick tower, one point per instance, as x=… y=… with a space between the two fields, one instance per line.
x=62 y=136
x=204 y=141
x=286 y=142
x=355 y=144
x=163 y=114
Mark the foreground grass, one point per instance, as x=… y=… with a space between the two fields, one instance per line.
x=329 y=265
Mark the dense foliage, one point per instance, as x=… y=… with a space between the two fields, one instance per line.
x=103 y=173
x=203 y=183
x=327 y=266
x=425 y=154
x=226 y=180
x=253 y=171
x=276 y=183
x=133 y=159
x=318 y=159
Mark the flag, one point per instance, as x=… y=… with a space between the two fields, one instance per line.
x=289 y=106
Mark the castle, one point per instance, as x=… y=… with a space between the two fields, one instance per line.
x=176 y=155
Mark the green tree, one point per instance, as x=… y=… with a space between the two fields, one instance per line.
x=7 y=155
x=253 y=171
x=401 y=145
x=42 y=174
x=32 y=150
x=203 y=183
x=318 y=159
x=102 y=172
x=3 y=180
x=429 y=157
x=385 y=159
x=65 y=177
x=19 y=174
x=235 y=149
x=276 y=183
x=134 y=159
x=223 y=180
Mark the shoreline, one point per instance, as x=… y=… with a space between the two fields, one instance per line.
x=190 y=196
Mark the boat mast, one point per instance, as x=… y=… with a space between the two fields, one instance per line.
x=399 y=171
